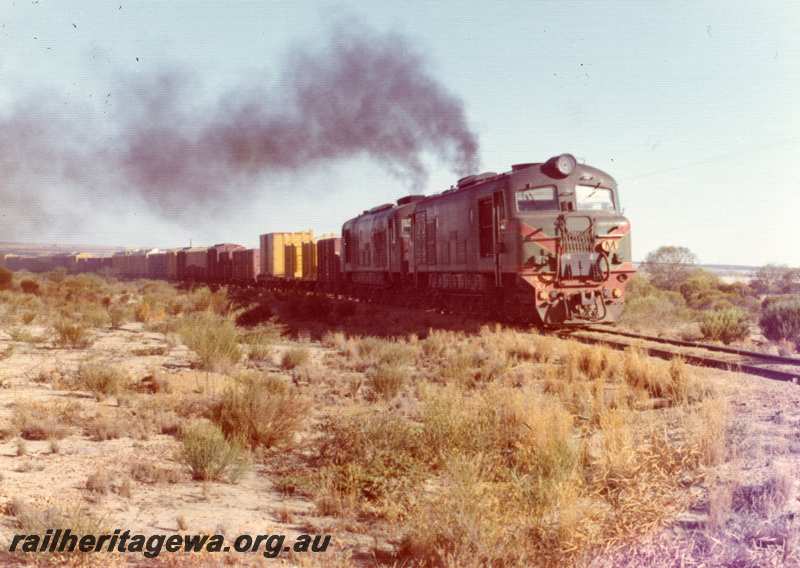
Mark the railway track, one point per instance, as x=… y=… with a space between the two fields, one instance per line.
x=773 y=367
x=700 y=354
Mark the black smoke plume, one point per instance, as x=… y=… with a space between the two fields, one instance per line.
x=361 y=93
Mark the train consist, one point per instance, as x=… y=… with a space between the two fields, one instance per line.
x=544 y=242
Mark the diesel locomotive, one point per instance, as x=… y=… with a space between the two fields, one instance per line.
x=543 y=242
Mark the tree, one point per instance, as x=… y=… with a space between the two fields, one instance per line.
x=790 y=281
x=668 y=267
x=771 y=278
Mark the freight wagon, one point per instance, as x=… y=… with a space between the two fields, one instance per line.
x=219 y=262
x=273 y=253
x=246 y=265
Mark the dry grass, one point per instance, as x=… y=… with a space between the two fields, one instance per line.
x=37 y=519
x=386 y=380
x=259 y=352
x=261 y=411
x=706 y=425
x=152 y=473
x=213 y=338
x=99 y=482
x=765 y=499
x=496 y=448
x=102 y=379
x=119 y=315
x=295 y=357
x=7 y=352
x=110 y=425
x=660 y=379
x=25 y=336
x=42 y=421
x=71 y=334
x=512 y=434
x=720 y=505
x=374 y=351
x=204 y=300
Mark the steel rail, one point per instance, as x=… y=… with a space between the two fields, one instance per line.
x=778 y=359
x=690 y=358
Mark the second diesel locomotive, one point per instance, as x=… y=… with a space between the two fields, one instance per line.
x=543 y=242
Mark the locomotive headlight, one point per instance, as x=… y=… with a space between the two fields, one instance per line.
x=616 y=292
x=542 y=295
x=565 y=163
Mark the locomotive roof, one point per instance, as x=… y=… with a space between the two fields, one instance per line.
x=520 y=173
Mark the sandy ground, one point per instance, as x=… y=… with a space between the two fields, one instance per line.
x=744 y=514
x=42 y=478
x=726 y=526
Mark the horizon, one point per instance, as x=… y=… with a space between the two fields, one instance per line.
x=83 y=247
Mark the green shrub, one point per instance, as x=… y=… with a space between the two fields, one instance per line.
x=213 y=338
x=780 y=320
x=29 y=286
x=260 y=412
x=210 y=455
x=119 y=315
x=90 y=313
x=725 y=325
x=6 y=278
x=204 y=300
x=647 y=306
x=371 y=455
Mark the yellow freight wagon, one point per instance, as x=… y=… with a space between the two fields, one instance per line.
x=273 y=253
x=309 y=260
x=300 y=260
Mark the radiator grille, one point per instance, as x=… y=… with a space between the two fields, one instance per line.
x=577 y=255
x=581 y=241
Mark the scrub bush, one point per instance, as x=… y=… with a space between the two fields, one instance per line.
x=5 y=278
x=210 y=456
x=780 y=320
x=29 y=286
x=726 y=325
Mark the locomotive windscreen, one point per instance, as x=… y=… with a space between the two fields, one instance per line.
x=591 y=198
x=537 y=199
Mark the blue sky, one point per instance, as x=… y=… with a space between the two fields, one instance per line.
x=690 y=106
